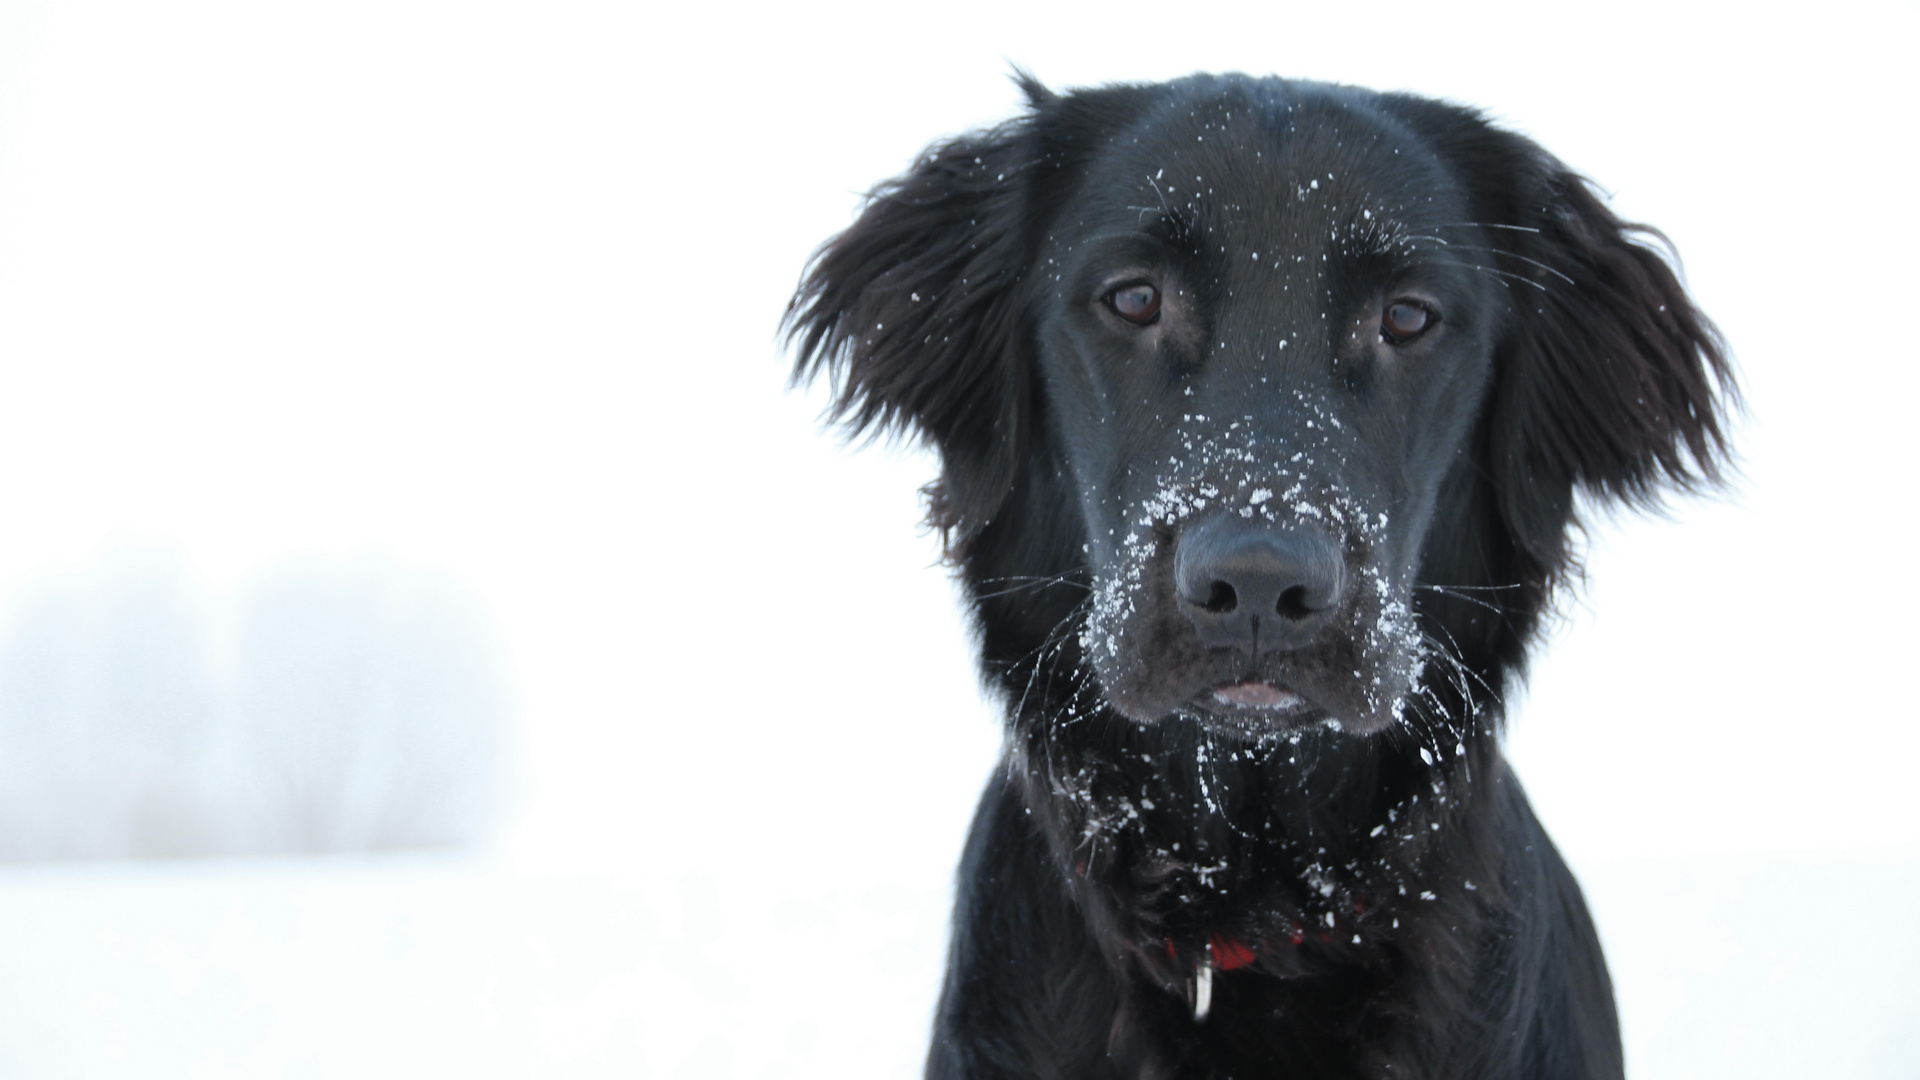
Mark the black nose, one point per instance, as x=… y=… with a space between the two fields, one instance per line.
x=1255 y=586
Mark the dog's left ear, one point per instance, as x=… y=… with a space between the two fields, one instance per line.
x=1607 y=377
x=917 y=312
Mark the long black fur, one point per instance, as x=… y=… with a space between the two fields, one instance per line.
x=1406 y=915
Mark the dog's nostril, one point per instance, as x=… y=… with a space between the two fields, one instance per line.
x=1220 y=598
x=1293 y=603
x=1253 y=587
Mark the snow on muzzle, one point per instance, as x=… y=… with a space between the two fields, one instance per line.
x=1259 y=600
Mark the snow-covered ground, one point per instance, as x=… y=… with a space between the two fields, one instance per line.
x=490 y=290
x=1726 y=966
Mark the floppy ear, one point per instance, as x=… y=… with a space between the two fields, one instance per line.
x=1607 y=376
x=917 y=312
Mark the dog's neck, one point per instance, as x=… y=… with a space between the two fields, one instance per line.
x=1310 y=850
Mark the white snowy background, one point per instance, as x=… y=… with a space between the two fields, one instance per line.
x=404 y=524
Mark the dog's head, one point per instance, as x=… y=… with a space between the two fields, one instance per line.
x=1312 y=373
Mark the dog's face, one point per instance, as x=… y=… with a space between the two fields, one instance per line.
x=1264 y=333
x=1298 y=379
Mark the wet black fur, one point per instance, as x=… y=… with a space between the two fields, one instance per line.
x=1410 y=919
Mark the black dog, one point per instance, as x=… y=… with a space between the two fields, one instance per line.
x=1261 y=407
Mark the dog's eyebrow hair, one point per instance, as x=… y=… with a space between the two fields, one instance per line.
x=1167 y=212
x=1442 y=241
x=1483 y=225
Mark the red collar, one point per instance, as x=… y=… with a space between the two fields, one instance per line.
x=1224 y=953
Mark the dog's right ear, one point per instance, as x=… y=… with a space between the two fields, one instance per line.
x=917 y=313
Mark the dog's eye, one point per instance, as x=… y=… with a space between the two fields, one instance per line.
x=1138 y=304
x=1405 y=320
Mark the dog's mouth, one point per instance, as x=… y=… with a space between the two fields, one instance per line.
x=1260 y=710
x=1252 y=708
x=1262 y=697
